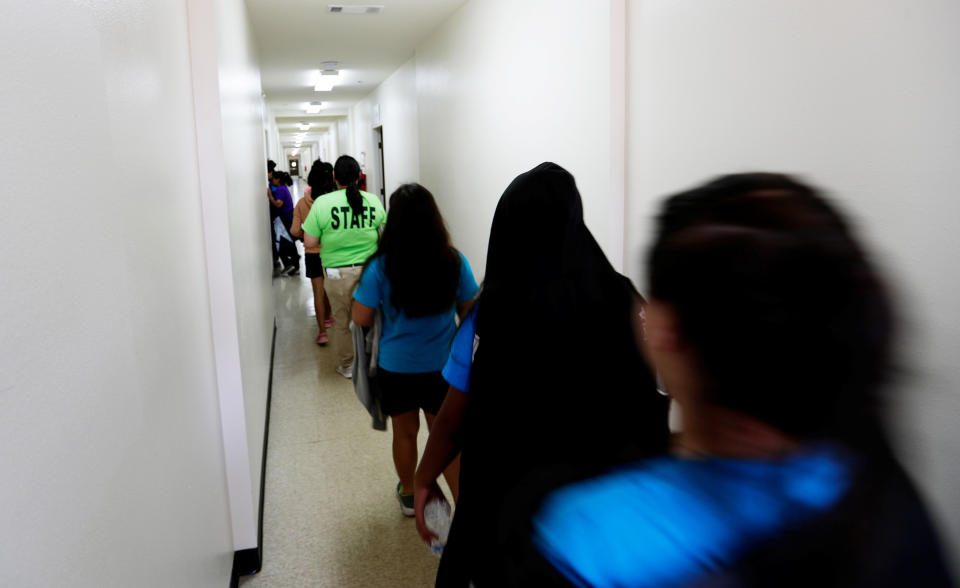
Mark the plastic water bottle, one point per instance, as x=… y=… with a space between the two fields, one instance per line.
x=436 y=515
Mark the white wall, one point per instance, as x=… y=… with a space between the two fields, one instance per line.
x=274 y=147
x=341 y=138
x=249 y=225
x=113 y=467
x=859 y=97
x=396 y=99
x=503 y=86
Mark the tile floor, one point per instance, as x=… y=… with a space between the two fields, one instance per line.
x=330 y=514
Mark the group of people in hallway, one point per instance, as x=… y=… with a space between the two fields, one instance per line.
x=546 y=389
x=286 y=258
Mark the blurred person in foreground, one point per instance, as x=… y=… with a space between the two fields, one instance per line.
x=773 y=331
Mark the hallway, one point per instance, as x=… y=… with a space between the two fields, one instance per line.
x=135 y=362
x=330 y=514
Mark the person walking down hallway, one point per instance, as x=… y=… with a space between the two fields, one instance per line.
x=320 y=182
x=345 y=224
x=282 y=201
x=541 y=408
x=418 y=280
x=271 y=190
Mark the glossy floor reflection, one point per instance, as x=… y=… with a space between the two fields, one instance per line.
x=330 y=514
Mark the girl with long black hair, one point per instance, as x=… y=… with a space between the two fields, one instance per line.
x=345 y=223
x=541 y=408
x=418 y=280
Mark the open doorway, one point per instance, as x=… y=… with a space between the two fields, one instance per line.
x=378 y=137
x=294 y=166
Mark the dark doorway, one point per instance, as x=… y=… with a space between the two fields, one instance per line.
x=378 y=136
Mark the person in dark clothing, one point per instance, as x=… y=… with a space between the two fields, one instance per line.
x=277 y=265
x=540 y=410
x=772 y=330
x=282 y=203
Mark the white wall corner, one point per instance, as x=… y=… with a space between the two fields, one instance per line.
x=619 y=120
x=204 y=65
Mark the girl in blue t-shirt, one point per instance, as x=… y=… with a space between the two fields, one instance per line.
x=419 y=282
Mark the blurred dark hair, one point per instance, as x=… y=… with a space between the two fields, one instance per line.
x=283 y=177
x=320 y=179
x=347 y=172
x=546 y=274
x=271 y=165
x=789 y=320
x=421 y=264
x=558 y=388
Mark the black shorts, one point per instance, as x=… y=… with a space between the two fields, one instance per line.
x=314 y=265
x=402 y=393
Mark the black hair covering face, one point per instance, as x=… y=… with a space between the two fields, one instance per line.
x=540 y=217
x=559 y=390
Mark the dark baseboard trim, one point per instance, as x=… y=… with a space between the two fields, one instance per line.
x=249 y=561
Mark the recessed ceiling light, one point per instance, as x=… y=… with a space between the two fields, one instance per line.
x=304 y=126
x=314 y=107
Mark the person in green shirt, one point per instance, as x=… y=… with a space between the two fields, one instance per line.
x=346 y=224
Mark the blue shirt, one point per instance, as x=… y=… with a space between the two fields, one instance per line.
x=412 y=345
x=457 y=370
x=673 y=522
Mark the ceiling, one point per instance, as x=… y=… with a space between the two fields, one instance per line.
x=295 y=37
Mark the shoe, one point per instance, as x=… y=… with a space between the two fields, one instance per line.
x=322 y=339
x=406 y=502
x=329 y=322
x=346 y=372
x=292 y=270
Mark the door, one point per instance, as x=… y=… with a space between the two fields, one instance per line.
x=378 y=135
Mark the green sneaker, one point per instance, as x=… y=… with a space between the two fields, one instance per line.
x=406 y=501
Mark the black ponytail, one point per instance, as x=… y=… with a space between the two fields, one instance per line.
x=347 y=172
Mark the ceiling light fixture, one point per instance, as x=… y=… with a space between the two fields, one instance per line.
x=360 y=9
x=327 y=79
x=314 y=107
x=304 y=126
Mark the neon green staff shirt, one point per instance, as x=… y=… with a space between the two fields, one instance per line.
x=345 y=239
